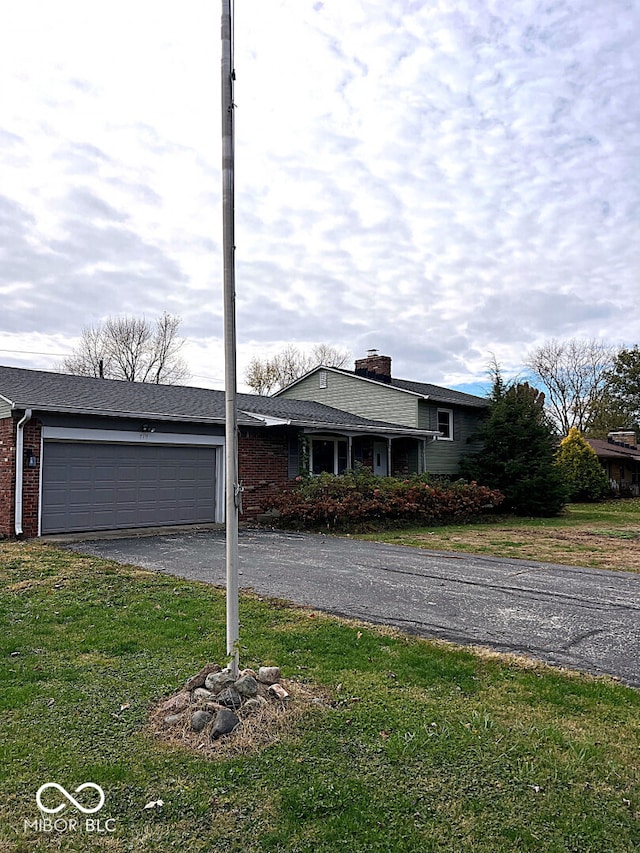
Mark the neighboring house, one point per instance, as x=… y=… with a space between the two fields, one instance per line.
x=619 y=455
x=371 y=392
x=83 y=454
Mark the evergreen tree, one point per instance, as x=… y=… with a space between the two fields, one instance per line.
x=518 y=456
x=581 y=470
x=624 y=382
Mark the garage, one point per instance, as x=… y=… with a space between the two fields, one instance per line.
x=104 y=486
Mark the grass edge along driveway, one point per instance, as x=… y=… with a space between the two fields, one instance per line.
x=598 y=535
x=423 y=747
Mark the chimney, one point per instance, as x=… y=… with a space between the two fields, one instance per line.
x=374 y=366
x=624 y=437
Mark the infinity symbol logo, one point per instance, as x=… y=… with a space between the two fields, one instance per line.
x=69 y=797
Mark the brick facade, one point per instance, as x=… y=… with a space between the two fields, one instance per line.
x=31 y=480
x=263 y=467
x=7 y=475
x=263 y=457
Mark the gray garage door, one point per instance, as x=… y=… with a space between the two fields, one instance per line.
x=89 y=486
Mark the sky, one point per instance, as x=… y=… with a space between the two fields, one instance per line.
x=449 y=182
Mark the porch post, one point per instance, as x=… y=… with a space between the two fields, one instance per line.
x=350 y=453
x=389 y=471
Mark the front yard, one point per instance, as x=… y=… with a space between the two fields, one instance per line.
x=597 y=535
x=420 y=746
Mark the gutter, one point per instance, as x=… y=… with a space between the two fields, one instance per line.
x=358 y=429
x=342 y=428
x=20 y=469
x=128 y=414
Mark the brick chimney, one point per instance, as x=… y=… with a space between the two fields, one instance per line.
x=374 y=366
x=623 y=437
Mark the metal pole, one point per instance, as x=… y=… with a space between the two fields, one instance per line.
x=229 y=287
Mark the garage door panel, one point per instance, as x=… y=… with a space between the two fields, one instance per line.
x=91 y=486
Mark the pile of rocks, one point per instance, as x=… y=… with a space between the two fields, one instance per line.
x=215 y=700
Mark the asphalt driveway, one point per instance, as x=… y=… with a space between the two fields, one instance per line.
x=587 y=619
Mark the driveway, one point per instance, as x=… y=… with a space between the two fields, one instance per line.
x=587 y=619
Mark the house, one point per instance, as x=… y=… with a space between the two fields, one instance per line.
x=84 y=454
x=372 y=392
x=619 y=455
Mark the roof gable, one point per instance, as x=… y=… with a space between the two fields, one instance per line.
x=424 y=390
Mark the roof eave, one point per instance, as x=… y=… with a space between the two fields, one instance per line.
x=111 y=413
x=374 y=429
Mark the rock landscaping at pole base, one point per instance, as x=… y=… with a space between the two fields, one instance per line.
x=215 y=710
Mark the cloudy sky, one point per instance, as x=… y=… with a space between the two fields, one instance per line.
x=443 y=181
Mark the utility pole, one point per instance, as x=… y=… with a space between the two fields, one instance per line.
x=233 y=490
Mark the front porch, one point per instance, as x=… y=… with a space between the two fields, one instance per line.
x=384 y=455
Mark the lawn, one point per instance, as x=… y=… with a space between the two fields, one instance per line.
x=603 y=535
x=422 y=747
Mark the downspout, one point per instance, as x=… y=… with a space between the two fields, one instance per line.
x=20 y=469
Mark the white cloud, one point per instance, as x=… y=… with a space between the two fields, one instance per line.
x=441 y=181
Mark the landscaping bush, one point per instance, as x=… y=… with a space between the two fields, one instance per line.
x=581 y=469
x=361 y=501
x=518 y=453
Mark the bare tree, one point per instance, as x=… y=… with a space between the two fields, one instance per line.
x=574 y=373
x=261 y=376
x=266 y=375
x=133 y=349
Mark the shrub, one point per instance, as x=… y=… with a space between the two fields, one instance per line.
x=518 y=455
x=361 y=501
x=581 y=469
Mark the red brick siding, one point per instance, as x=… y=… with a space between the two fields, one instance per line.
x=7 y=475
x=263 y=467
x=31 y=481
x=263 y=457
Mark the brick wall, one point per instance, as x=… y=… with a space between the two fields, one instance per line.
x=31 y=481
x=263 y=457
x=262 y=462
x=7 y=475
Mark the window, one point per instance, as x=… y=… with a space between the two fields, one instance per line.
x=328 y=454
x=445 y=424
x=324 y=379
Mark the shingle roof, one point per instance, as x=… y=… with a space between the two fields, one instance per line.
x=60 y=392
x=439 y=394
x=63 y=393
x=610 y=450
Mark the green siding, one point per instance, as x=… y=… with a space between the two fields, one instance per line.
x=443 y=457
x=361 y=397
x=382 y=402
x=5 y=409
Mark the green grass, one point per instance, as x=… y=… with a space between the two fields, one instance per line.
x=427 y=747
x=600 y=535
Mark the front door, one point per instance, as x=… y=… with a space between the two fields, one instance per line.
x=380 y=464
